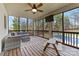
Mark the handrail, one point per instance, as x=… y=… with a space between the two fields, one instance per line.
x=66 y=32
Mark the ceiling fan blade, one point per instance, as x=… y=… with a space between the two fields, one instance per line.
x=28 y=10
x=30 y=5
x=39 y=5
x=40 y=10
x=34 y=6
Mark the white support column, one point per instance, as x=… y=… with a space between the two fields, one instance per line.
x=34 y=27
x=50 y=29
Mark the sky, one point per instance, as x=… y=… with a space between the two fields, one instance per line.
x=70 y=14
x=10 y=21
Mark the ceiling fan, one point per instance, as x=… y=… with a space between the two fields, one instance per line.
x=35 y=8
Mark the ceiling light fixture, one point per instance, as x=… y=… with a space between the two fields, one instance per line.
x=34 y=10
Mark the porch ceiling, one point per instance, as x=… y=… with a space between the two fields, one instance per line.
x=17 y=9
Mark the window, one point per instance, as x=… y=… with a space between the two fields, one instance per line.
x=71 y=20
x=57 y=24
x=41 y=26
x=46 y=26
x=36 y=27
x=13 y=23
x=71 y=24
x=23 y=24
x=46 y=29
x=30 y=26
x=11 y=18
x=34 y=24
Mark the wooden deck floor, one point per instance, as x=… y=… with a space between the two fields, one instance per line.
x=35 y=48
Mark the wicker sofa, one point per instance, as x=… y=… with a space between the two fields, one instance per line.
x=14 y=39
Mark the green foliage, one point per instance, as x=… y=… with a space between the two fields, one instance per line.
x=16 y=25
x=66 y=22
x=58 y=24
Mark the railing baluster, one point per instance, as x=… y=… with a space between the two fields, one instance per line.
x=68 y=38
x=61 y=37
x=76 y=40
x=71 y=38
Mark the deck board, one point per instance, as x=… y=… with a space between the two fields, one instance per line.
x=10 y=53
x=34 y=47
x=14 y=52
x=18 y=51
x=23 y=52
x=6 y=53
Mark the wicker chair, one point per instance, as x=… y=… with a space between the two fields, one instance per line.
x=11 y=43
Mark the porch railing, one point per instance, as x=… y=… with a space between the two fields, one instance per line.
x=31 y=32
x=68 y=38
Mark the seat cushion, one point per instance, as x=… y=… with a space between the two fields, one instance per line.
x=52 y=40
